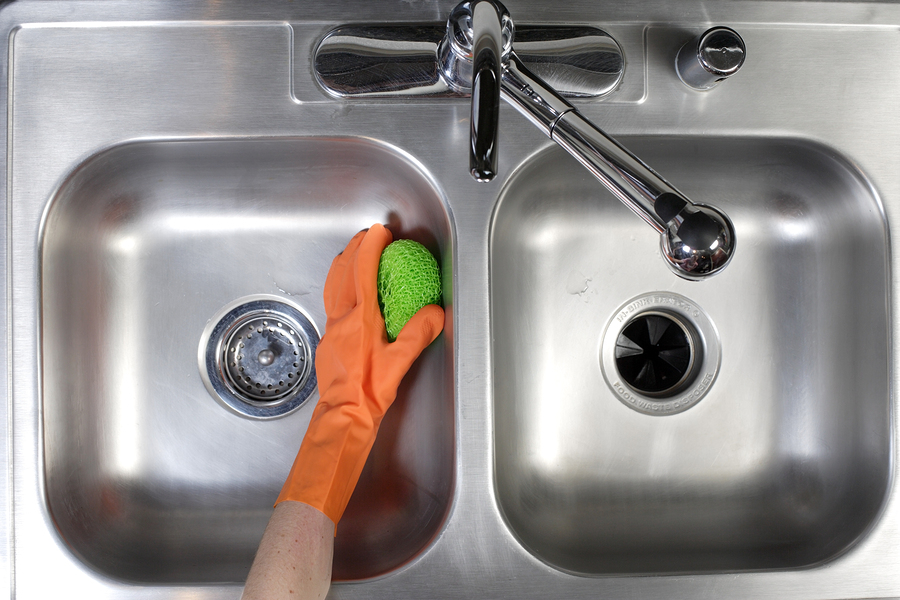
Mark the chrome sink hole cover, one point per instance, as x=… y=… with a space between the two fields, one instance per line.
x=660 y=353
x=257 y=358
x=265 y=358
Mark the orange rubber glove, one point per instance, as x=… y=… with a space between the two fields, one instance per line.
x=358 y=373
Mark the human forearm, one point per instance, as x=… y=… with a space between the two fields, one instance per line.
x=358 y=371
x=294 y=557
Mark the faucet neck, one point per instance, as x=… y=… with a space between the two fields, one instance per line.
x=478 y=41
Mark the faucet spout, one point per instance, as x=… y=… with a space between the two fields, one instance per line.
x=479 y=33
x=487 y=45
x=696 y=240
x=477 y=55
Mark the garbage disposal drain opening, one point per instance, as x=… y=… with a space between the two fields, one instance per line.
x=257 y=358
x=660 y=353
x=655 y=354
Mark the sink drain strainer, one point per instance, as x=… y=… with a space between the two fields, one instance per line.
x=660 y=353
x=257 y=359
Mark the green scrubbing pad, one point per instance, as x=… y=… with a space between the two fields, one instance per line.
x=408 y=279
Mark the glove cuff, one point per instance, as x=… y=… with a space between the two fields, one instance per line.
x=330 y=460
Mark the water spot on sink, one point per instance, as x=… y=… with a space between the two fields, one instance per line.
x=578 y=284
x=298 y=293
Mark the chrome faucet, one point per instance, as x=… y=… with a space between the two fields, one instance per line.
x=471 y=55
x=475 y=56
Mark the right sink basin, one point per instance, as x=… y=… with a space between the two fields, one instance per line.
x=647 y=424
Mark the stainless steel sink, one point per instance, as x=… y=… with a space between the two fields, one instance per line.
x=169 y=163
x=147 y=477
x=785 y=460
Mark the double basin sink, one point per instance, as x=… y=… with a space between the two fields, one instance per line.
x=163 y=168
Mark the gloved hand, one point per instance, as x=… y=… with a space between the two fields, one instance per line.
x=358 y=373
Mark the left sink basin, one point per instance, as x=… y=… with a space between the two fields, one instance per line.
x=147 y=477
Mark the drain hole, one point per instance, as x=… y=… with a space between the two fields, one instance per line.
x=655 y=354
x=264 y=361
x=660 y=353
x=257 y=359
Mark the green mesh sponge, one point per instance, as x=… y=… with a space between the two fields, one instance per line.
x=408 y=279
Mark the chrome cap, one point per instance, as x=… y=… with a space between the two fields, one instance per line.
x=698 y=241
x=710 y=58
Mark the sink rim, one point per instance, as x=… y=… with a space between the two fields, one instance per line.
x=495 y=562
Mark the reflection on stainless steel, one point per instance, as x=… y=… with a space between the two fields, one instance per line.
x=577 y=62
x=120 y=465
x=148 y=479
x=710 y=58
x=783 y=462
x=388 y=61
x=381 y=61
